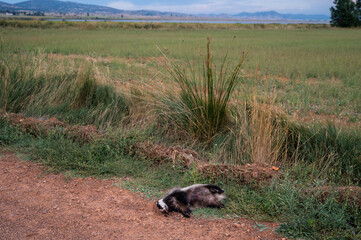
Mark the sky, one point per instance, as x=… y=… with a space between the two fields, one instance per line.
x=215 y=6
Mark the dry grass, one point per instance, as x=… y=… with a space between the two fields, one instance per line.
x=268 y=134
x=258 y=133
x=38 y=85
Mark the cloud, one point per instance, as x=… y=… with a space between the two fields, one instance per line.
x=123 y=5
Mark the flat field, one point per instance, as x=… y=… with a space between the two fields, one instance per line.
x=313 y=72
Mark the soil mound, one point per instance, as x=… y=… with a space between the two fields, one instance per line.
x=251 y=174
x=161 y=153
x=43 y=126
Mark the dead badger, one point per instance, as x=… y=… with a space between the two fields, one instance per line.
x=184 y=200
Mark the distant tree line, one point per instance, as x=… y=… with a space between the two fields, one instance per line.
x=25 y=13
x=346 y=13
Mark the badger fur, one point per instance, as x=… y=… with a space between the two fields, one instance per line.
x=184 y=200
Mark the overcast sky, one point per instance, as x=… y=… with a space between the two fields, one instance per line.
x=215 y=6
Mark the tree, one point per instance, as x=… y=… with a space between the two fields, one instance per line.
x=358 y=6
x=345 y=13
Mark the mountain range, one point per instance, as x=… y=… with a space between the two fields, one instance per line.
x=60 y=7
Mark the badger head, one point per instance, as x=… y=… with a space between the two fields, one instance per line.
x=162 y=206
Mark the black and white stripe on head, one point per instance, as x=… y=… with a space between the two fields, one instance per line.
x=214 y=189
x=162 y=205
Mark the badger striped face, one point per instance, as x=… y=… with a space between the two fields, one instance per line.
x=219 y=197
x=162 y=206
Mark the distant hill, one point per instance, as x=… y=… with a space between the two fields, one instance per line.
x=272 y=15
x=55 y=6
x=65 y=7
x=7 y=6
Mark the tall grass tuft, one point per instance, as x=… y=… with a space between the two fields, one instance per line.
x=268 y=129
x=334 y=152
x=200 y=107
x=260 y=132
x=35 y=84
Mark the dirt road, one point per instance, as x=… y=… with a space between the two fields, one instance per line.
x=38 y=205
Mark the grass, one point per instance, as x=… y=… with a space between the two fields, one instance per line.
x=35 y=85
x=310 y=70
x=333 y=151
x=105 y=75
x=301 y=216
x=200 y=109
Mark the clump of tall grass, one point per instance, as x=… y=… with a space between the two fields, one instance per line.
x=333 y=151
x=200 y=107
x=260 y=132
x=257 y=134
x=35 y=84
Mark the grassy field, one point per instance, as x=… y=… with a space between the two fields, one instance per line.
x=310 y=70
x=117 y=78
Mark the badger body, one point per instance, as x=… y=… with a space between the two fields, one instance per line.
x=184 y=200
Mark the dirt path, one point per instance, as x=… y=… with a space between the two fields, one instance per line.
x=34 y=205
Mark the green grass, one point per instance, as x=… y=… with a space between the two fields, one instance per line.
x=201 y=108
x=335 y=152
x=302 y=216
x=321 y=65
x=305 y=53
x=35 y=85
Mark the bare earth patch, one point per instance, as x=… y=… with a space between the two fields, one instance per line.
x=34 y=205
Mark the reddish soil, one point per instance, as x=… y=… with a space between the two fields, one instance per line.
x=38 y=205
